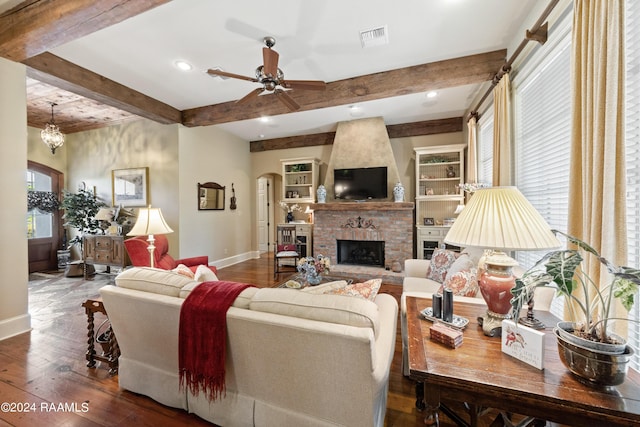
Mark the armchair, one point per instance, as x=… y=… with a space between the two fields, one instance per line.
x=139 y=255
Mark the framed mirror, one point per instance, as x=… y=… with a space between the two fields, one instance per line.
x=210 y=197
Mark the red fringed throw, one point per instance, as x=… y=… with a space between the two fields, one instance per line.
x=203 y=337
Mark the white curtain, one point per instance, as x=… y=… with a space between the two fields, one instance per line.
x=502 y=132
x=597 y=201
x=472 y=143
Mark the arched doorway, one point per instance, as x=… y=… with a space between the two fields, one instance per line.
x=44 y=222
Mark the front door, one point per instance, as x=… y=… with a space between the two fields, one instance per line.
x=44 y=224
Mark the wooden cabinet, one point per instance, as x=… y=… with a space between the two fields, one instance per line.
x=304 y=236
x=299 y=180
x=439 y=176
x=104 y=250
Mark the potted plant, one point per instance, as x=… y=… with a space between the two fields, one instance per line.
x=79 y=212
x=584 y=343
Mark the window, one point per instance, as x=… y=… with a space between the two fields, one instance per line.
x=542 y=110
x=39 y=224
x=632 y=138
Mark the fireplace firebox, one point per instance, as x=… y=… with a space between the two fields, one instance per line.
x=361 y=252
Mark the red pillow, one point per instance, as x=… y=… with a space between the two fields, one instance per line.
x=287 y=248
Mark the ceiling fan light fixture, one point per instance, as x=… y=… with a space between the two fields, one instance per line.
x=51 y=135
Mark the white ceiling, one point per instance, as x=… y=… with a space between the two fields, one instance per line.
x=316 y=40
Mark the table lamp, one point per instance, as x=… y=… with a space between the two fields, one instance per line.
x=150 y=221
x=501 y=219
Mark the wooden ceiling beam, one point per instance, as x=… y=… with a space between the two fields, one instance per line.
x=61 y=73
x=33 y=27
x=428 y=127
x=420 y=78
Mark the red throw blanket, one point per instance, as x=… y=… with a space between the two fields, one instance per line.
x=203 y=337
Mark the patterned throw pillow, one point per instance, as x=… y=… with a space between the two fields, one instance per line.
x=441 y=260
x=367 y=290
x=463 y=283
x=184 y=270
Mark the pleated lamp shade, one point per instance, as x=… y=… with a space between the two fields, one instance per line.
x=150 y=221
x=501 y=218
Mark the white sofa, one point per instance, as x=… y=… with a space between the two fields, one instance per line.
x=293 y=358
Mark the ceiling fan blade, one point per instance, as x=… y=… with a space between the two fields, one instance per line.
x=270 y=59
x=304 y=84
x=248 y=97
x=233 y=76
x=286 y=99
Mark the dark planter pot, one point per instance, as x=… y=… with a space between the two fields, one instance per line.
x=592 y=367
x=565 y=329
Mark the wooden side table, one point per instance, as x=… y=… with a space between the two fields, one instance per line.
x=110 y=356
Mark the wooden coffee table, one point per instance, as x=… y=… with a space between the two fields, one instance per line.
x=480 y=374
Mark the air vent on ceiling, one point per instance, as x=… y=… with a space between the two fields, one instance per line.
x=374 y=37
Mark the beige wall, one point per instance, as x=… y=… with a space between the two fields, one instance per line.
x=14 y=316
x=208 y=154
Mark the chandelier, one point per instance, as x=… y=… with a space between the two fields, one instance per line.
x=51 y=134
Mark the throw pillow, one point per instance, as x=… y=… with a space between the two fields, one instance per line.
x=463 y=283
x=204 y=274
x=441 y=260
x=367 y=290
x=184 y=270
x=463 y=262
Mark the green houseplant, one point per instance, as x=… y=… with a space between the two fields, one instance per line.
x=79 y=212
x=586 y=346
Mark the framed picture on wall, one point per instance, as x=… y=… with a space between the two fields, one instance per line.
x=130 y=187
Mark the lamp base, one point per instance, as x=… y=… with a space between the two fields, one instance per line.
x=531 y=322
x=492 y=323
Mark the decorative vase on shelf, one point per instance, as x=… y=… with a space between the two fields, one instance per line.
x=289 y=216
x=398 y=192
x=322 y=194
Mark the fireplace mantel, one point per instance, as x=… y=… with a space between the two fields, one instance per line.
x=362 y=206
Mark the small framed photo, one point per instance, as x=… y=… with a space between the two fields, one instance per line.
x=130 y=187
x=429 y=221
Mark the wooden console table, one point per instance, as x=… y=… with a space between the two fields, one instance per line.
x=479 y=373
x=112 y=353
x=104 y=250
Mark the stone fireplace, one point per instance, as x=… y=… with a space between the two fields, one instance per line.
x=387 y=223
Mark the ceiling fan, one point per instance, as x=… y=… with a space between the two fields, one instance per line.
x=272 y=78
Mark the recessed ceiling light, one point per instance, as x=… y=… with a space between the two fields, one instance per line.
x=432 y=94
x=264 y=119
x=183 y=65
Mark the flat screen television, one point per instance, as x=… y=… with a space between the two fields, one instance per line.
x=360 y=183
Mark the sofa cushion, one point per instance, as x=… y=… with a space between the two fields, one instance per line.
x=242 y=301
x=441 y=261
x=158 y=281
x=325 y=308
x=204 y=274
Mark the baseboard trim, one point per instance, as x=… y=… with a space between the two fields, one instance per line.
x=15 y=326
x=236 y=259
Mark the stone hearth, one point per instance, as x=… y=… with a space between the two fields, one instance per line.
x=389 y=222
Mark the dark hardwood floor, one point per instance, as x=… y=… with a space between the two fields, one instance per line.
x=44 y=373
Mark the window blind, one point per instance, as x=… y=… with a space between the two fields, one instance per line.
x=542 y=114
x=632 y=141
